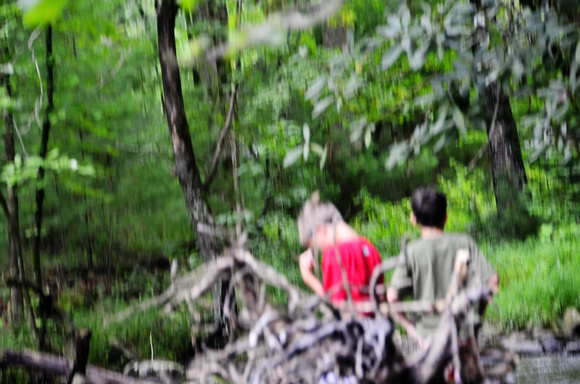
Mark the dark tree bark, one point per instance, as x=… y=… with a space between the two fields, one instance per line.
x=333 y=34
x=12 y=215
x=505 y=154
x=42 y=153
x=185 y=164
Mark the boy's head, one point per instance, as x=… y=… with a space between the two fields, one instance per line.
x=314 y=220
x=429 y=207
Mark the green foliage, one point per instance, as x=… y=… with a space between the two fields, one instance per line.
x=538 y=280
x=306 y=118
x=170 y=334
x=41 y=12
x=22 y=171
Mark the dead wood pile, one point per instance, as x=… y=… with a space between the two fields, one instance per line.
x=309 y=338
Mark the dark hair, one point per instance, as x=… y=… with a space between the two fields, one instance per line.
x=429 y=207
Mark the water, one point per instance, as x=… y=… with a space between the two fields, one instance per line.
x=553 y=369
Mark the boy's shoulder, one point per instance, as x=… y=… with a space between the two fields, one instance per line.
x=446 y=239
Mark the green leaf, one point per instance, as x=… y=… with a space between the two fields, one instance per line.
x=317 y=148
x=41 y=12
x=188 y=5
x=397 y=155
x=323 y=158
x=537 y=153
x=321 y=106
x=418 y=59
x=306 y=133
x=438 y=126
x=315 y=89
x=495 y=36
x=406 y=17
x=368 y=137
x=423 y=100
x=459 y=121
x=391 y=56
x=292 y=156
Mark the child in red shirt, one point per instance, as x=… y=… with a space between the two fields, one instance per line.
x=321 y=227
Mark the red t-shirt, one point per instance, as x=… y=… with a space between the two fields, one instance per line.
x=359 y=258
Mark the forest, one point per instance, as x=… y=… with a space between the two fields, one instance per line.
x=142 y=139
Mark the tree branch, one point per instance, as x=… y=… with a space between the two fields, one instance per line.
x=60 y=366
x=227 y=125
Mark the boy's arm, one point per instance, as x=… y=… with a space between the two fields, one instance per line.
x=306 y=261
x=493 y=284
x=392 y=295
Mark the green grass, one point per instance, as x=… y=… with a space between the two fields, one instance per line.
x=170 y=333
x=539 y=279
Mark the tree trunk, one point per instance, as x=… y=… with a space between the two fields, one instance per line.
x=333 y=34
x=87 y=217
x=185 y=163
x=42 y=153
x=505 y=155
x=14 y=245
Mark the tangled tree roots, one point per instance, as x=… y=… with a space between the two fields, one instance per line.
x=310 y=339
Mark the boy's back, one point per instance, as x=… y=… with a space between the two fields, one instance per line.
x=431 y=260
x=429 y=266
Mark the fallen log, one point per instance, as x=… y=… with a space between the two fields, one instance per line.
x=60 y=366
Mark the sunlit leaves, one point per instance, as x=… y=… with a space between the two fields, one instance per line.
x=27 y=169
x=189 y=5
x=41 y=12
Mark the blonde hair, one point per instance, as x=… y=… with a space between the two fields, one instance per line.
x=315 y=212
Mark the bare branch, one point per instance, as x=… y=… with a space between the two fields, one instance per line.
x=227 y=125
x=38 y=105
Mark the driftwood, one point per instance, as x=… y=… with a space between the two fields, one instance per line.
x=60 y=366
x=297 y=344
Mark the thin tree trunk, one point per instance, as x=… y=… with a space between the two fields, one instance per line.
x=88 y=238
x=333 y=34
x=64 y=246
x=87 y=210
x=111 y=214
x=185 y=163
x=12 y=216
x=43 y=151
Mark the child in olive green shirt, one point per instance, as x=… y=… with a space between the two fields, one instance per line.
x=430 y=260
